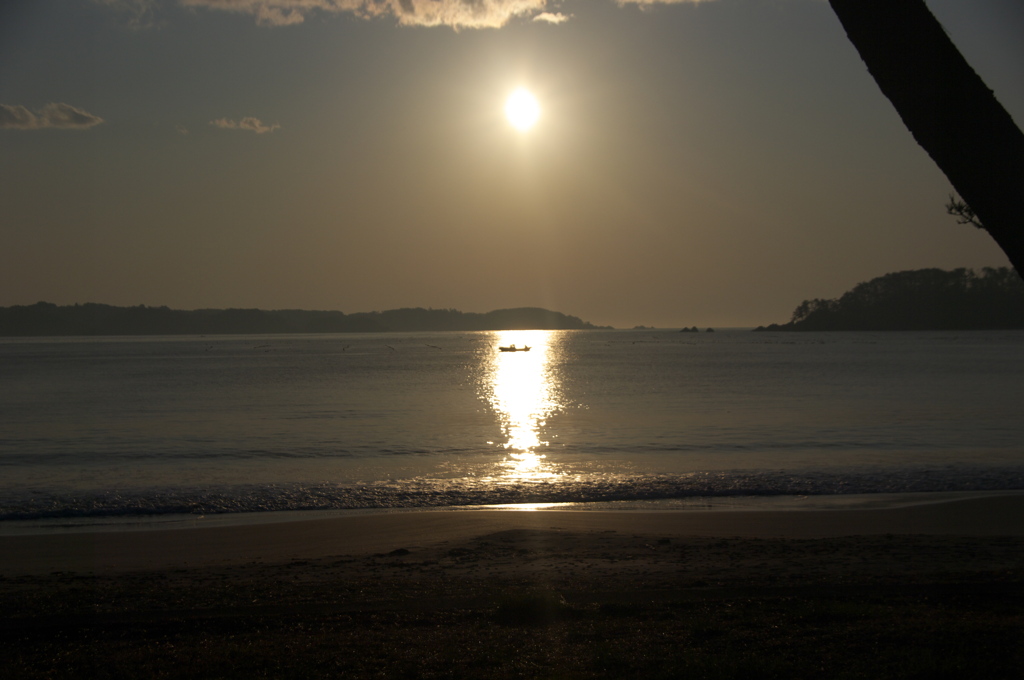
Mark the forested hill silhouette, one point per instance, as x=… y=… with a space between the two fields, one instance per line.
x=44 y=318
x=918 y=300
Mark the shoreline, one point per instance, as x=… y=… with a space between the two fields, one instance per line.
x=981 y=514
x=702 y=504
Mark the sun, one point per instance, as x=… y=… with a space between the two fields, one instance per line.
x=522 y=109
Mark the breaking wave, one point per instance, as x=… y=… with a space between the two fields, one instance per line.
x=428 y=492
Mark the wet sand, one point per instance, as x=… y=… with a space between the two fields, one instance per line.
x=104 y=552
x=895 y=592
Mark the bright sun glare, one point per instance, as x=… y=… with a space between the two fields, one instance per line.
x=522 y=109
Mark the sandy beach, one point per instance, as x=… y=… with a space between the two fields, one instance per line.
x=890 y=592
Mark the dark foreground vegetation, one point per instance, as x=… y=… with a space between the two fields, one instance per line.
x=44 y=318
x=919 y=300
x=529 y=605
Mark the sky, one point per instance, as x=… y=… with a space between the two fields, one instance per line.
x=707 y=163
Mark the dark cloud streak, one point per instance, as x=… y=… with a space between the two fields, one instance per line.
x=53 y=115
x=248 y=123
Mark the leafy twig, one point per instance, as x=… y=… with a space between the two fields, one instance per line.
x=963 y=213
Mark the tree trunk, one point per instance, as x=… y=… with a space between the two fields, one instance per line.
x=948 y=109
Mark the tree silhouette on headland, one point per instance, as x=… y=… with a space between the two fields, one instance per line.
x=947 y=107
x=920 y=300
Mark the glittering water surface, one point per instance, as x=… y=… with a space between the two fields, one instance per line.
x=523 y=391
x=123 y=426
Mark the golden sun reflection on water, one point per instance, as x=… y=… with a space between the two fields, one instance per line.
x=522 y=389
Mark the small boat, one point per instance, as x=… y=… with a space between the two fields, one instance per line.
x=513 y=348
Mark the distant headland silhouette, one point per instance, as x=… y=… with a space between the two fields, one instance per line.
x=919 y=300
x=44 y=319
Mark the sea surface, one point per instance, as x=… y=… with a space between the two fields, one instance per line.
x=96 y=430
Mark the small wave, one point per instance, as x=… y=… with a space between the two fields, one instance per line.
x=428 y=492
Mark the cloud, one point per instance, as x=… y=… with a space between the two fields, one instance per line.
x=454 y=13
x=248 y=123
x=141 y=13
x=551 y=17
x=52 y=115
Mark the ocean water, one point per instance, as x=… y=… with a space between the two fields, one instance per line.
x=105 y=428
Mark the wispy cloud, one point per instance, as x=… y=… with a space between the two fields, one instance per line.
x=454 y=13
x=140 y=13
x=248 y=123
x=552 y=17
x=53 y=115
